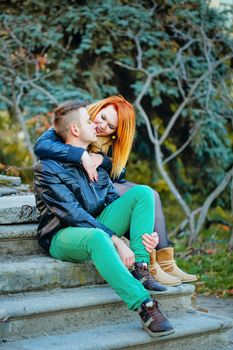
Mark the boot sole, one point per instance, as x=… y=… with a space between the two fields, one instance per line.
x=172 y=284
x=159 y=334
x=187 y=281
x=155 y=292
x=178 y=283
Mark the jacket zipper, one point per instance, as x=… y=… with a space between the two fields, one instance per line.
x=93 y=189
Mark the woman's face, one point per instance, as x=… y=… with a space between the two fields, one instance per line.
x=106 y=121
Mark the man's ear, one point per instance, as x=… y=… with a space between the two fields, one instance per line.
x=74 y=129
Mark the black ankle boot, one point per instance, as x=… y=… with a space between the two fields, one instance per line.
x=153 y=321
x=141 y=273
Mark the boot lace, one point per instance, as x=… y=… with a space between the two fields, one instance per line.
x=145 y=273
x=155 y=313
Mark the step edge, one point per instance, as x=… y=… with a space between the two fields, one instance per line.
x=136 y=338
x=41 y=310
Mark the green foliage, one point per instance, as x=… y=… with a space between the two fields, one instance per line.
x=212 y=262
x=14 y=158
x=138 y=170
x=12 y=150
x=214 y=269
x=56 y=51
x=209 y=258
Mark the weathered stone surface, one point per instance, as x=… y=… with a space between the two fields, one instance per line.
x=192 y=331
x=20 y=247
x=41 y=272
x=49 y=311
x=8 y=232
x=23 y=188
x=218 y=306
x=8 y=190
x=5 y=191
x=18 y=209
x=19 y=239
x=10 y=180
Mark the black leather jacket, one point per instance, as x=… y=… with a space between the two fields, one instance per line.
x=65 y=197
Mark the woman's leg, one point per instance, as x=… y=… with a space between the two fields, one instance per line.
x=160 y=225
x=78 y=244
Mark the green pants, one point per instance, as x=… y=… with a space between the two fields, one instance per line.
x=134 y=211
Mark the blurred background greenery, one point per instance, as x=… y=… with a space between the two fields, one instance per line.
x=53 y=51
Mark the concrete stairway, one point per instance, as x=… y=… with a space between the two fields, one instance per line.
x=49 y=304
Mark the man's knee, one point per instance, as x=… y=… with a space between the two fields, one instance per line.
x=100 y=237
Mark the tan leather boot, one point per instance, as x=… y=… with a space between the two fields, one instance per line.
x=165 y=258
x=161 y=276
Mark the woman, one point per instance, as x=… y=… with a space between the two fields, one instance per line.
x=115 y=125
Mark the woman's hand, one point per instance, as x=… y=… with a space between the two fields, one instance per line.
x=126 y=254
x=90 y=162
x=97 y=159
x=150 y=241
x=90 y=166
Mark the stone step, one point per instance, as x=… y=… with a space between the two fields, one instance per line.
x=19 y=190
x=19 y=239
x=6 y=191
x=30 y=273
x=193 y=331
x=10 y=180
x=18 y=209
x=74 y=308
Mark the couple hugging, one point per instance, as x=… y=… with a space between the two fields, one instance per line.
x=83 y=213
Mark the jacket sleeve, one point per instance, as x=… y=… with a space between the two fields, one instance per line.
x=50 y=146
x=112 y=193
x=61 y=201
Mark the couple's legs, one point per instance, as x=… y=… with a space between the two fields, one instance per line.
x=160 y=225
x=134 y=211
x=77 y=244
x=170 y=274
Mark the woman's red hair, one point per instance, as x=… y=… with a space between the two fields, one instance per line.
x=122 y=145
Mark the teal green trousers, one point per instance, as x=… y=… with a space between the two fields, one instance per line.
x=134 y=211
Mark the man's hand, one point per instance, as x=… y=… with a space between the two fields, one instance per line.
x=97 y=159
x=150 y=241
x=89 y=166
x=126 y=254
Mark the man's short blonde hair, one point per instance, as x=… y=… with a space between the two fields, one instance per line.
x=64 y=115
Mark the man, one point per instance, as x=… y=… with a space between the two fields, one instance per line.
x=80 y=220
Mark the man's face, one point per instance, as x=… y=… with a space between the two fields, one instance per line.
x=87 y=129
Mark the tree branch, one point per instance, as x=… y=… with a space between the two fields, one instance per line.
x=44 y=91
x=209 y=200
x=175 y=154
x=139 y=51
x=230 y=244
x=165 y=175
x=6 y=100
x=184 y=223
x=186 y=100
x=131 y=68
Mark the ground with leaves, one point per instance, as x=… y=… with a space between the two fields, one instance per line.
x=210 y=259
